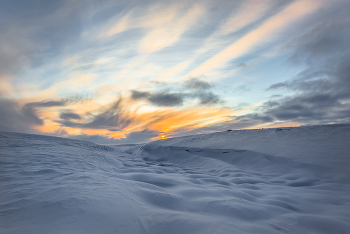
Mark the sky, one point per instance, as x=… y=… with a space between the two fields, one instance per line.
x=117 y=72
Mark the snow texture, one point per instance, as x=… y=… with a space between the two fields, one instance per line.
x=293 y=180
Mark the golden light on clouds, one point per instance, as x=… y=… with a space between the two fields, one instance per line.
x=122 y=118
x=82 y=80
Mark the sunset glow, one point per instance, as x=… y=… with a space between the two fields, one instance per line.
x=130 y=72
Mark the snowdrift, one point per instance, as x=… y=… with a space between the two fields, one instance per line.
x=293 y=180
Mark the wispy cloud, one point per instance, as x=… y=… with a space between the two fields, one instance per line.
x=251 y=12
x=119 y=27
x=141 y=69
x=163 y=24
x=263 y=34
x=167 y=27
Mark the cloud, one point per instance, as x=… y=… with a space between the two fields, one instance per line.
x=194 y=88
x=164 y=23
x=251 y=11
x=167 y=25
x=30 y=109
x=166 y=99
x=196 y=84
x=159 y=99
x=255 y=117
x=24 y=118
x=113 y=117
x=14 y=52
x=32 y=34
x=119 y=27
x=45 y=104
x=139 y=94
x=257 y=36
x=321 y=92
x=63 y=56
x=277 y=86
x=122 y=118
x=31 y=114
x=69 y=115
x=14 y=119
x=208 y=98
x=309 y=106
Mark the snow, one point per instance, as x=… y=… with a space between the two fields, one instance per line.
x=294 y=180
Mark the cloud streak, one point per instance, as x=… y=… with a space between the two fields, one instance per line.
x=321 y=92
x=262 y=34
x=163 y=25
x=142 y=69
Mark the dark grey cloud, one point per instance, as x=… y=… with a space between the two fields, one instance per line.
x=195 y=88
x=316 y=99
x=176 y=99
x=139 y=95
x=160 y=99
x=113 y=117
x=31 y=114
x=278 y=85
x=208 y=98
x=114 y=130
x=312 y=103
x=29 y=110
x=166 y=99
x=321 y=92
x=16 y=119
x=328 y=38
x=45 y=104
x=255 y=117
x=196 y=84
x=69 y=115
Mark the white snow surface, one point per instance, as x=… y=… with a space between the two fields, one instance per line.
x=293 y=180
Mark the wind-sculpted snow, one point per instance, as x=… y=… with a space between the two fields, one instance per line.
x=183 y=185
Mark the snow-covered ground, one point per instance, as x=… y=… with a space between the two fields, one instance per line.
x=294 y=180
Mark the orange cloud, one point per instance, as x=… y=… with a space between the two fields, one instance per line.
x=124 y=117
x=166 y=121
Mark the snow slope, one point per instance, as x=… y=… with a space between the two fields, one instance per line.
x=247 y=181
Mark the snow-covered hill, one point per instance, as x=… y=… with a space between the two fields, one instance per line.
x=288 y=180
